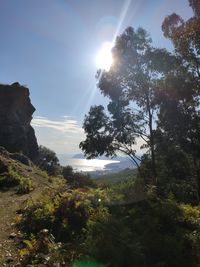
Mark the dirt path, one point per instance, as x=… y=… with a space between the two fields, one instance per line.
x=9 y=204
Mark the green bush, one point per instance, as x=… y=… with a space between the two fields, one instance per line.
x=10 y=179
x=26 y=185
x=66 y=216
x=149 y=233
x=77 y=179
x=98 y=223
x=13 y=179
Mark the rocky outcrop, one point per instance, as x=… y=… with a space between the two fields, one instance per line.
x=16 y=133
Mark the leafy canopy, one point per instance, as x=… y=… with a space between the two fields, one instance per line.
x=131 y=86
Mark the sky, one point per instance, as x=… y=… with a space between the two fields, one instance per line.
x=51 y=45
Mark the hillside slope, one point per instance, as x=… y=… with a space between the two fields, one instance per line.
x=11 y=201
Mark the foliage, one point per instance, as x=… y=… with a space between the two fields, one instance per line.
x=41 y=173
x=180 y=92
x=111 y=178
x=65 y=215
x=10 y=178
x=42 y=250
x=26 y=185
x=48 y=161
x=154 y=97
x=131 y=86
x=82 y=180
x=77 y=179
x=149 y=233
x=68 y=172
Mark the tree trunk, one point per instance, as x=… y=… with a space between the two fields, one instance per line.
x=151 y=139
x=152 y=147
x=197 y=169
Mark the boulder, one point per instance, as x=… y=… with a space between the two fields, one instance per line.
x=16 y=133
x=21 y=158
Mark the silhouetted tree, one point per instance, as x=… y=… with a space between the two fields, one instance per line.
x=68 y=173
x=179 y=118
x=130 y=85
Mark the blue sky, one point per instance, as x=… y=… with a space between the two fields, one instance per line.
x=50 y=46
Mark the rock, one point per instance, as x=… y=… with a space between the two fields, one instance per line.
x=3 y=166
x=21 y=158
x=12 y=235
x=4 y=152
x=16 y=133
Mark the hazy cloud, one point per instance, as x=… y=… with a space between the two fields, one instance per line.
x=62 y=135
x=65 y=125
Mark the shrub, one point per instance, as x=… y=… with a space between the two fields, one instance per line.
x=82 y=180
x=13 y=179
x=42 y=249
x=100 y=224
x=66 y=216
x=68 y=172
x=10 y=179
x=26 y=185
x=150 y=233
x=77 y=179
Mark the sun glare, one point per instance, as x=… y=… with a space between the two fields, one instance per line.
x=104 y=56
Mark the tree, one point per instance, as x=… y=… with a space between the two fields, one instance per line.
x=195 y=4
x=130 y=85
x=182 y=87
x=48 y=161
x=77 y=179
x=68 y=172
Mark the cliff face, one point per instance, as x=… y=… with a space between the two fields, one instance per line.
x=16 y=133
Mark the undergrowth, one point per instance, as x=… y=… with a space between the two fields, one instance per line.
x=63 y=227
x=13 y=179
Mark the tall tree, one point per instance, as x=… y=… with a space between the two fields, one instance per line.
x=179 y=118
x=130 y=85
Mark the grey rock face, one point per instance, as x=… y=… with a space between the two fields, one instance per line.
x=16 y=133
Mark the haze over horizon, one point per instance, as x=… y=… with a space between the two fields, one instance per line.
x=51 y=47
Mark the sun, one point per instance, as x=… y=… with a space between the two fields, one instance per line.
x=104 y=57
